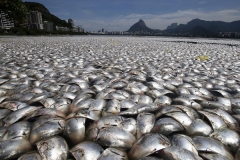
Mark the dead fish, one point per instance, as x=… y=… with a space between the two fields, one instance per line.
x=145 y=123
x=4 y=113
x=164 y=100
x=75 y=129
x=213 y=156
x=189 y=111
x=19 y=114
x=215 y=120
x=185 y=142
x=50 y=112
x=154 y=141
x=129 y=125
x=87 y=150
x=113 y=154
x=112 y=137
x=165 y=110
x=34 y=155
x=178 y=153
x=151 y=158
x=213 y=105
x=206 y=144
x=227 y=118
x=13 y=105
x=167 y=126
x=187 y=102
x=181 y=117
x=228 y=137
x=140 y=108
x=112 y=108
x=54 y=148
x=106 y=122
x=20 y=130
x=199 y=128
x=44 y=128
x=14 y=148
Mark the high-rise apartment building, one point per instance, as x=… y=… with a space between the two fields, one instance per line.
x=80 y=29
x=5 y=23
x=35 y=20
x=48 y=26
x=71 y=22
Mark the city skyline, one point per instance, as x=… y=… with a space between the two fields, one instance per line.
x=158 y=14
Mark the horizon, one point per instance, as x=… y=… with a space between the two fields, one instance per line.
x=120 y=16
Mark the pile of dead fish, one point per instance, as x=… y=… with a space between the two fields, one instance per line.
x=96 y=98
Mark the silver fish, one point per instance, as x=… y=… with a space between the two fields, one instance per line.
x=213 y=156
x=154 y=141
x=165 y=110
x=75 y=129
x=20 y=130
x=199 y=128
x=113 y=154
x=181 y=117
x=228 y=137
x=54 y=148
x=185 y=142
x=86 y=150
x=30 y=156
x=112 y=137
x=145 y=123
x=205 y=144
x=44 y=128
x=19 y=114
x=167 y=126
x=216 y=121
x=177 y=153
x=14 y=148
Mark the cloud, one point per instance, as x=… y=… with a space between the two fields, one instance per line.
x=157 y=21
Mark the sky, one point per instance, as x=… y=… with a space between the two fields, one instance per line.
x=120 y=15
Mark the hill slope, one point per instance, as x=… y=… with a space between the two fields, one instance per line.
x=46 y=15
x=206 y=27
x=140 y=26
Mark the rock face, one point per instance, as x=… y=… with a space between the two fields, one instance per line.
x=140 y=26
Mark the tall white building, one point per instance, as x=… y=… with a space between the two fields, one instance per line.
x=5 y=23
x=35 y=20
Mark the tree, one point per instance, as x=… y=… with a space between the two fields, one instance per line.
x=15 y=9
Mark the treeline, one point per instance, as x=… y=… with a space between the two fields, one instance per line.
x=35 y=32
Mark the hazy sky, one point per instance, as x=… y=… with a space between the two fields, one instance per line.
x=119 y=15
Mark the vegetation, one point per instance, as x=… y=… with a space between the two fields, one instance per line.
x=15 y=9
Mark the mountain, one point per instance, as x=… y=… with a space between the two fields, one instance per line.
x=197 y=26
x=140 y=26
x=46 y=15
x=172 y=26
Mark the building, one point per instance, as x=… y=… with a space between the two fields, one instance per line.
x=35 y=20
x=71 y=23
x=48 y=26
x=80 y=29
x=62 y=28
x=5 y=23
